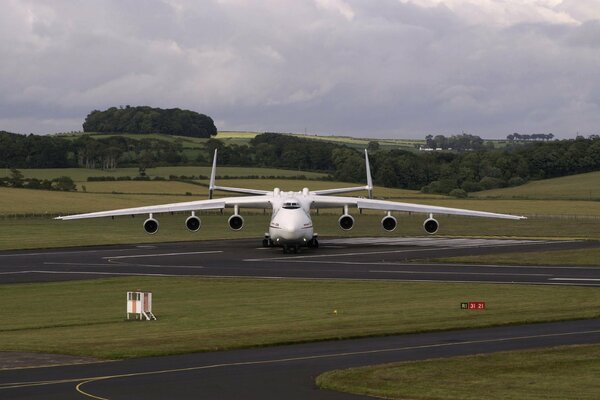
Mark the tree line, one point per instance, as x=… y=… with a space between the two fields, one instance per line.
x=144 y=119
x=446 y=172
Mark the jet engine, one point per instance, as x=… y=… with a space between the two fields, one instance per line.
x=236 y=222
x=431 y=225
x=151 y=226
x=389 y=223
x=193 y=223
x=346 y=222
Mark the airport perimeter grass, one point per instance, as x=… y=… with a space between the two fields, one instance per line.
x=203 y=314
x=43 y=232
x=587 y=257
x=566 y=372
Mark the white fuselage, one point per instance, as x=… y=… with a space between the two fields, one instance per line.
x=291 y=223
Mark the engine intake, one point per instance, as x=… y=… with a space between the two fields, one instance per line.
x=236 y=222
x=151 y=226
x=193 y=223
x=431 y=225
x=389 y=223
x=346 y=222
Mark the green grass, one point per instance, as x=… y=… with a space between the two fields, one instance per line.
x=81 y=174
x=143 y=187
x=567 y=372
x=40 y=232
x=590 y=257
x=199 y=314
x=580 y=187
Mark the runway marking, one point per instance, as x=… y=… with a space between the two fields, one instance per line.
x=366 y=253
x=62 y=252
x=419 y=264
x=456 y=273
x=163 y=254
x=93 y=273
x=78 y=264
x=84 y=381
x=575 y=279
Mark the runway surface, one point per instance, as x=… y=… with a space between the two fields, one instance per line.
x=282 y=372
x=285 y=371
x=342 y=258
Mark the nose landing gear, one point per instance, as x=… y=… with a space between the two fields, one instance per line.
x=290 y=249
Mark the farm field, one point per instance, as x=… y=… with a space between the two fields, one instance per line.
x=81 y=174
x=566 y=372
x=576 y=187
x=202 y=314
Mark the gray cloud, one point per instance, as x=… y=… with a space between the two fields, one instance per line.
x=376 y=69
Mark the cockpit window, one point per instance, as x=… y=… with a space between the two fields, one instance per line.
x=291 y=205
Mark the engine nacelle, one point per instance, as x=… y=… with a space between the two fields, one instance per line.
x=389 y=223
x=346 y=222
x=193 y=223
x=431 y=225
x=151 y=226
x=236 y=222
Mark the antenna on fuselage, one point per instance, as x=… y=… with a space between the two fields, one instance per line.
x=369 y=180
x=211 y=185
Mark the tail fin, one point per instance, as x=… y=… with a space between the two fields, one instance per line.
x=211 y=185
x=368 y=187
x=369 y=180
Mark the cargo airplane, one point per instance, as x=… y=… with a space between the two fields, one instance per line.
x=291 y=225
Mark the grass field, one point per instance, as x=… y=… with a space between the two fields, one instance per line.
x=579 y=187
x=143 y=187
x=22 y=233
x=567 y=372
x=196 y=314
x=81 y=174
x=563 y=257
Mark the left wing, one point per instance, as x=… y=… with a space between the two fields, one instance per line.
x=263 y=201
x=333 y=202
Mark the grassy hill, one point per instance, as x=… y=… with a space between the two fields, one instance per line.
x=573 y=187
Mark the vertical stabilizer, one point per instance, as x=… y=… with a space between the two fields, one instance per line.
x=369 y=180
x=211 y=185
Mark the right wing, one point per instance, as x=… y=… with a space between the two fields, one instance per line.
x=384 y=205
x=214 y=204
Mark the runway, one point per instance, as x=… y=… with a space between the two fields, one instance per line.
x=286 y=371
x=338 y=258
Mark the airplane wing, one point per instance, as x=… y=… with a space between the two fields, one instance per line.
x=214 y=204
x=370 y=204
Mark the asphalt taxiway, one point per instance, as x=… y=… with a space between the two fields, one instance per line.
x=338 y=258
x=286 y=371
x=281 y=372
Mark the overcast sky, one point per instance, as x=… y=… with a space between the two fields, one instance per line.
x=366 y=68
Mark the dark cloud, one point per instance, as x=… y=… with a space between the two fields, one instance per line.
x=379 y=68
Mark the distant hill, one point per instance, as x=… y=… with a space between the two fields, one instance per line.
x=576 y=187
x=172 y=121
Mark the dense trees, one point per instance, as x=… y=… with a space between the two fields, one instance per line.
x=173 y=121
x=461 y=142
x=456 y=172
x=535 y=136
